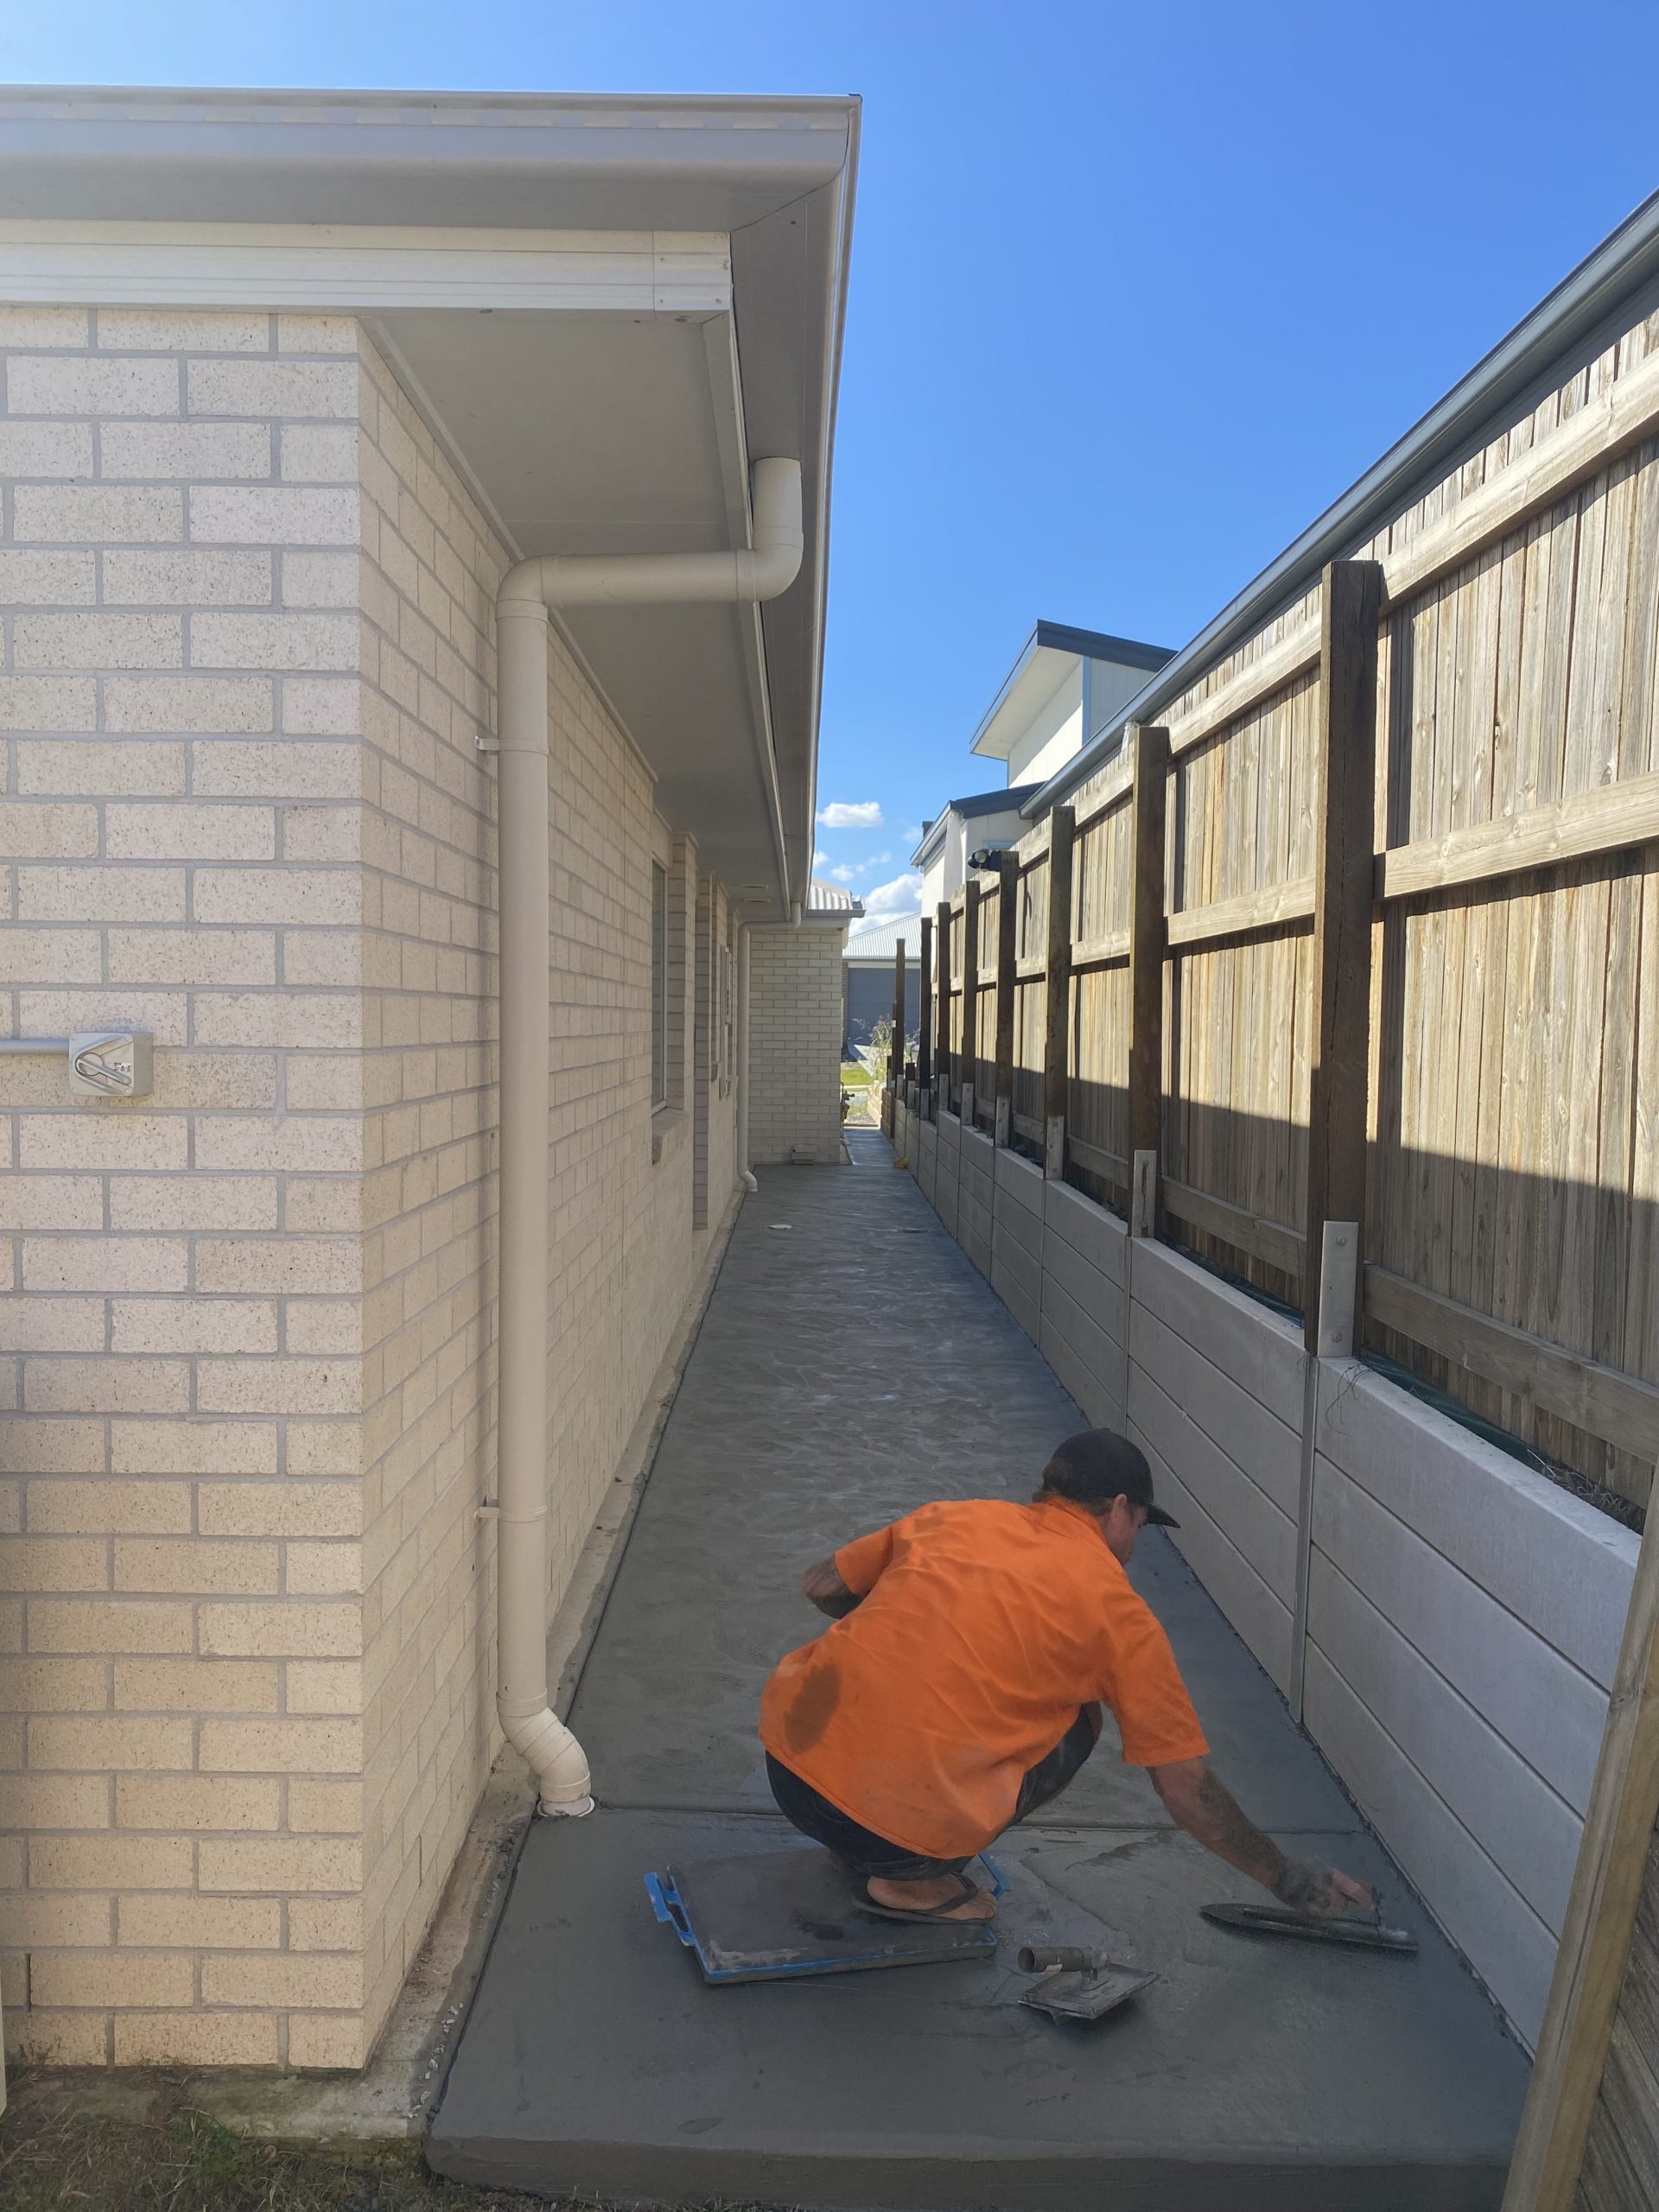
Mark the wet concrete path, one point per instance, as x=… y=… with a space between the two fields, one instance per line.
x=852 y=1364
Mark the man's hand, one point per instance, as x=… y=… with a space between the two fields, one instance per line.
x=1307 y=1886
x=823 y=1585
x=1208 y=1812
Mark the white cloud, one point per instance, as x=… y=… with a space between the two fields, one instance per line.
x=876 y=860
x=896 y=901
x=841 y=874
x=914 y=836
x=820 y=861
x=855 y=814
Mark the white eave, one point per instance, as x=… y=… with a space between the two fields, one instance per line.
x=606 y=309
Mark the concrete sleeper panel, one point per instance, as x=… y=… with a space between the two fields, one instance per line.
x=1515 y=1816
x=1504 y=1941
x=1549 y=1710
x=1564 y=1567
x=1256 y=1439
x=1249 y=1518
x=1260 y=1350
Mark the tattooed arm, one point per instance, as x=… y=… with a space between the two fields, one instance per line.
x=1209 y=1813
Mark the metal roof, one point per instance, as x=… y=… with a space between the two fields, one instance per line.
x=828 y=902
x=882 y=942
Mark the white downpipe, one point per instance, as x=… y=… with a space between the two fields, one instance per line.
x=745 y=1173
x=527 y=592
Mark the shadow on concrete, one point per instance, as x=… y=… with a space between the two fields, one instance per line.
x=851 y=1365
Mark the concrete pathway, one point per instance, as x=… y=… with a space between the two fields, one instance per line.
x=852 y=1364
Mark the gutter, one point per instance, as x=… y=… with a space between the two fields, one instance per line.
x=1574 y=317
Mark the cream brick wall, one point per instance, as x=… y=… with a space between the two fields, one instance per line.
x=795 y=1037
x=246 y=1649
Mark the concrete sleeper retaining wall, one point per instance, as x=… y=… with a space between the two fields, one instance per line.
x=1462 y=1613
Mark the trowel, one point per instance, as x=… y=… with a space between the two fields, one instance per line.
x=1078 y=1984
x=1370 y=1933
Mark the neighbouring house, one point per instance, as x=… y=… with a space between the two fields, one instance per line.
x=867 y=969
x=414 y=579
x=795 y=1031
x=1067 y=688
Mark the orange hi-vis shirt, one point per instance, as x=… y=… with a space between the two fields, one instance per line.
x=984 y=1627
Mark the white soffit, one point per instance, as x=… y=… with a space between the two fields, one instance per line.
x=1027 y=697
x=343 y=267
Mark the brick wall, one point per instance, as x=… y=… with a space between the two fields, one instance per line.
x=246 y=1654
x=795 y=1026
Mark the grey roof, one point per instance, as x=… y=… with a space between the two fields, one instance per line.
x=882 y=942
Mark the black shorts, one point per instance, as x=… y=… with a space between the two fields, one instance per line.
x=868 y=1854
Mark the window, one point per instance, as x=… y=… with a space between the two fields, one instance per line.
x=659 y=985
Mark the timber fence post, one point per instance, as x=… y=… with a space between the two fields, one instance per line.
x=1008 y=937
x=970 y=998
x=942 y=954
x=1057 y=991
x=924 y=1021
x=1149 y=937
x=1345 y=868
x=896 y=1042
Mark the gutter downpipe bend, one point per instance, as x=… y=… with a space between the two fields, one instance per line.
x=527 y=592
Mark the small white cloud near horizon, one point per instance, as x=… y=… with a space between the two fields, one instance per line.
x=896 y=901
x=841 y=874
x=820 y=861
x=876 y=860
x=852 y=814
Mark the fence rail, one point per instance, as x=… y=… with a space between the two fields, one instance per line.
x=1368 y=930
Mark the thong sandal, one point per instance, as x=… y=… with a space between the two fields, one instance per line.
x=965 y=1890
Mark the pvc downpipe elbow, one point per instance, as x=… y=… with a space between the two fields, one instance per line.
x=563 y=1784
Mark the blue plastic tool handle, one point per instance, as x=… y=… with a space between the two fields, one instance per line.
x=666 y=1903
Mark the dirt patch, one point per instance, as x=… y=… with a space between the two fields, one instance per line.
x=51 y=2157
x=175 y=2158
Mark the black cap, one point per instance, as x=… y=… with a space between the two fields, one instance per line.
x=1096 y=1465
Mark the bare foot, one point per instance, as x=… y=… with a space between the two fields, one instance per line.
x=941 y=1890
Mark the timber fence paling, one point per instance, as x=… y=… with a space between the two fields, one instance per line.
x=1408 y=910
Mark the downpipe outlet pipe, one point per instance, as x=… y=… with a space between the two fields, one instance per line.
x=744 y=1172
x=528 y=592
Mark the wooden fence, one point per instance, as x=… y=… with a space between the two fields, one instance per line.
x=1368 y=931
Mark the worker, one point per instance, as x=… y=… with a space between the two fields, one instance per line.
x=961 y=1686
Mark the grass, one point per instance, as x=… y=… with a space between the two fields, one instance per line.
x=855 y=1075
x=53 y=2159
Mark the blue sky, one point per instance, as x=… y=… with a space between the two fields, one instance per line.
x=1135 y=291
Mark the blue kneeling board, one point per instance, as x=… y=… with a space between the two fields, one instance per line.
x=775 y=1914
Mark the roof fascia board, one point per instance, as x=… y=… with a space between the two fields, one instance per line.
x=1568 y=327
x=345 y=268
x=521 y=160
x=843 y=186
x=1101 y=645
